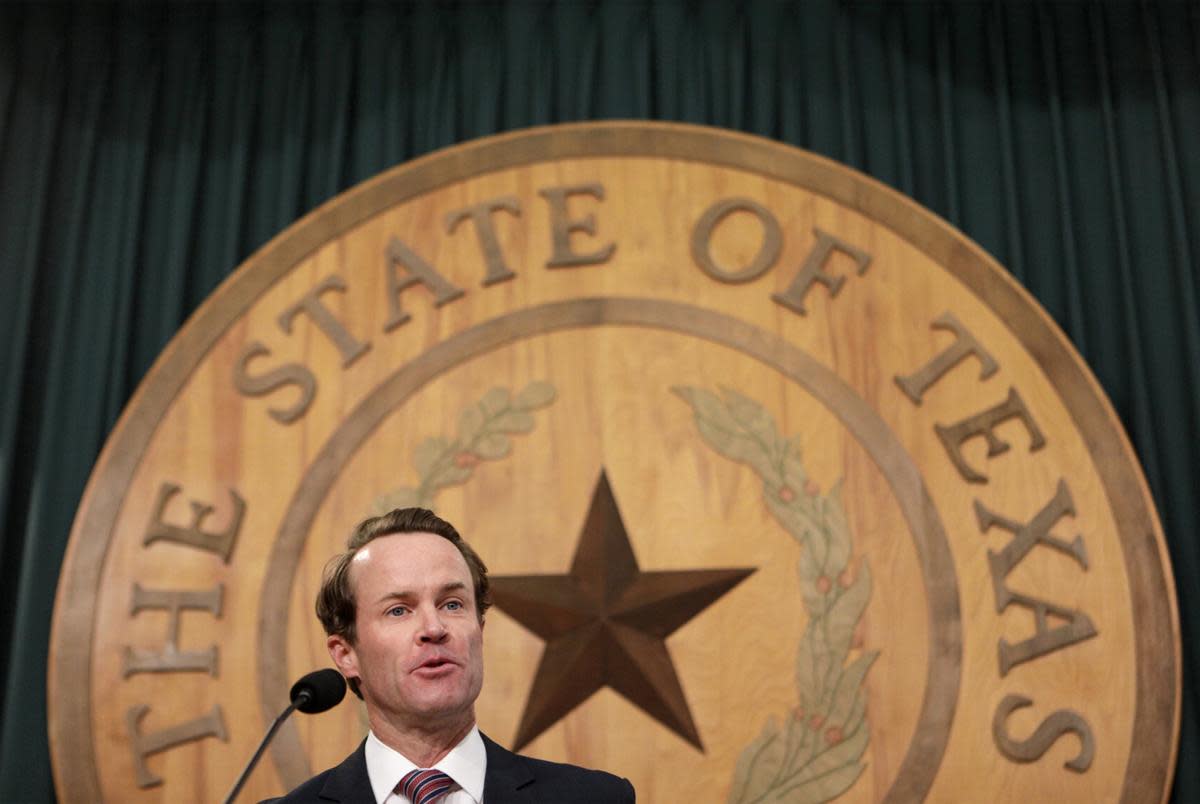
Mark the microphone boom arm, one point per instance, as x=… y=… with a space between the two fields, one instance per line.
x=316 y=692
x=302 y=698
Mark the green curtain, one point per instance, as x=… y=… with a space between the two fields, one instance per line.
x=148 y=148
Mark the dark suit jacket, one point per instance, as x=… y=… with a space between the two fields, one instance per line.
x=510 y=779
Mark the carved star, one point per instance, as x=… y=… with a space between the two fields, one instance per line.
x=605 y=624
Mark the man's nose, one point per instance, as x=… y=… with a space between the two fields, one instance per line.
x=432 y=627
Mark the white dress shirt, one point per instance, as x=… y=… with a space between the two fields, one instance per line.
x=466 y=764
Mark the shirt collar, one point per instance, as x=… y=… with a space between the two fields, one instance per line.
x=466 y=764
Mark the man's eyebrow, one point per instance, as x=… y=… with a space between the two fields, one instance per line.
x=404 y=594
x=400 y=595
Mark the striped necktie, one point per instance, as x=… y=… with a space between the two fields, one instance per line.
x=424 y=786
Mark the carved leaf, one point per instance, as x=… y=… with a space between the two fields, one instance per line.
x=757 y=427
x=813 y=665
x=535 y=395
x=470 y=422
x=848 y=694
x=716 y=426
x=513 y=421
x=847 y=610
x=751 y=416
x=427 y=454
x=493 y=446
x=760 y=763
x=723 y=432
x=796 y=518
x=795 y=476
x=495 y=401
x=820 y=784
x=812 y=569
x=452 y=476
x=834 y=755
x=795 y=447
x=838 y=527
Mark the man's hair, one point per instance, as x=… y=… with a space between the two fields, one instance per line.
x=336 y=606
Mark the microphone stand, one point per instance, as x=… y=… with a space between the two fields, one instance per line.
x=304 y=697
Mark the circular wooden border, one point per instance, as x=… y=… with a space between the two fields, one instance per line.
x=1156 y=624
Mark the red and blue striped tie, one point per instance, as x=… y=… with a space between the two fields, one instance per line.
x=425 y=786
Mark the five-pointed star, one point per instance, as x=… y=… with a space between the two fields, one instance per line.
x=605 y=623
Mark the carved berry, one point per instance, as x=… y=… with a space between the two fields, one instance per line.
x=786 y=494
x=465 y=460
x=816 y=722
x=824 y=584
x=811 y=487
x=834 y=735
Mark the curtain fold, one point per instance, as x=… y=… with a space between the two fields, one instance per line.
x=146 y=149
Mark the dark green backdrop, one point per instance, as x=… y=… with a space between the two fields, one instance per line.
x=147 y=148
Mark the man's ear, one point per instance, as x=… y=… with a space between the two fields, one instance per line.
x=343 y=655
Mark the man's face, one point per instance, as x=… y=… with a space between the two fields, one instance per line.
x=419 y=648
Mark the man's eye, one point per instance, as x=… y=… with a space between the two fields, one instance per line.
x=454 y=605
x=396 y=611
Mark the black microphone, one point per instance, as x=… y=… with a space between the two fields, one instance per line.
x=316 y=692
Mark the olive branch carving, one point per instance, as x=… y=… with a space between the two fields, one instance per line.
x=813 y=753
x=484 y=431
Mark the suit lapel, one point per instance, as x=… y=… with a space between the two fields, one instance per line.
x=507 y=774
x=349 y=782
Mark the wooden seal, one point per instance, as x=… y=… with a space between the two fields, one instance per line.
x=788 y=491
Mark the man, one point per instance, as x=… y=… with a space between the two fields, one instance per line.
x=403 y=610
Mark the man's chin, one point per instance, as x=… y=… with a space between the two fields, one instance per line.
x=446 y=719
x=447 y=702
x=444 y=700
